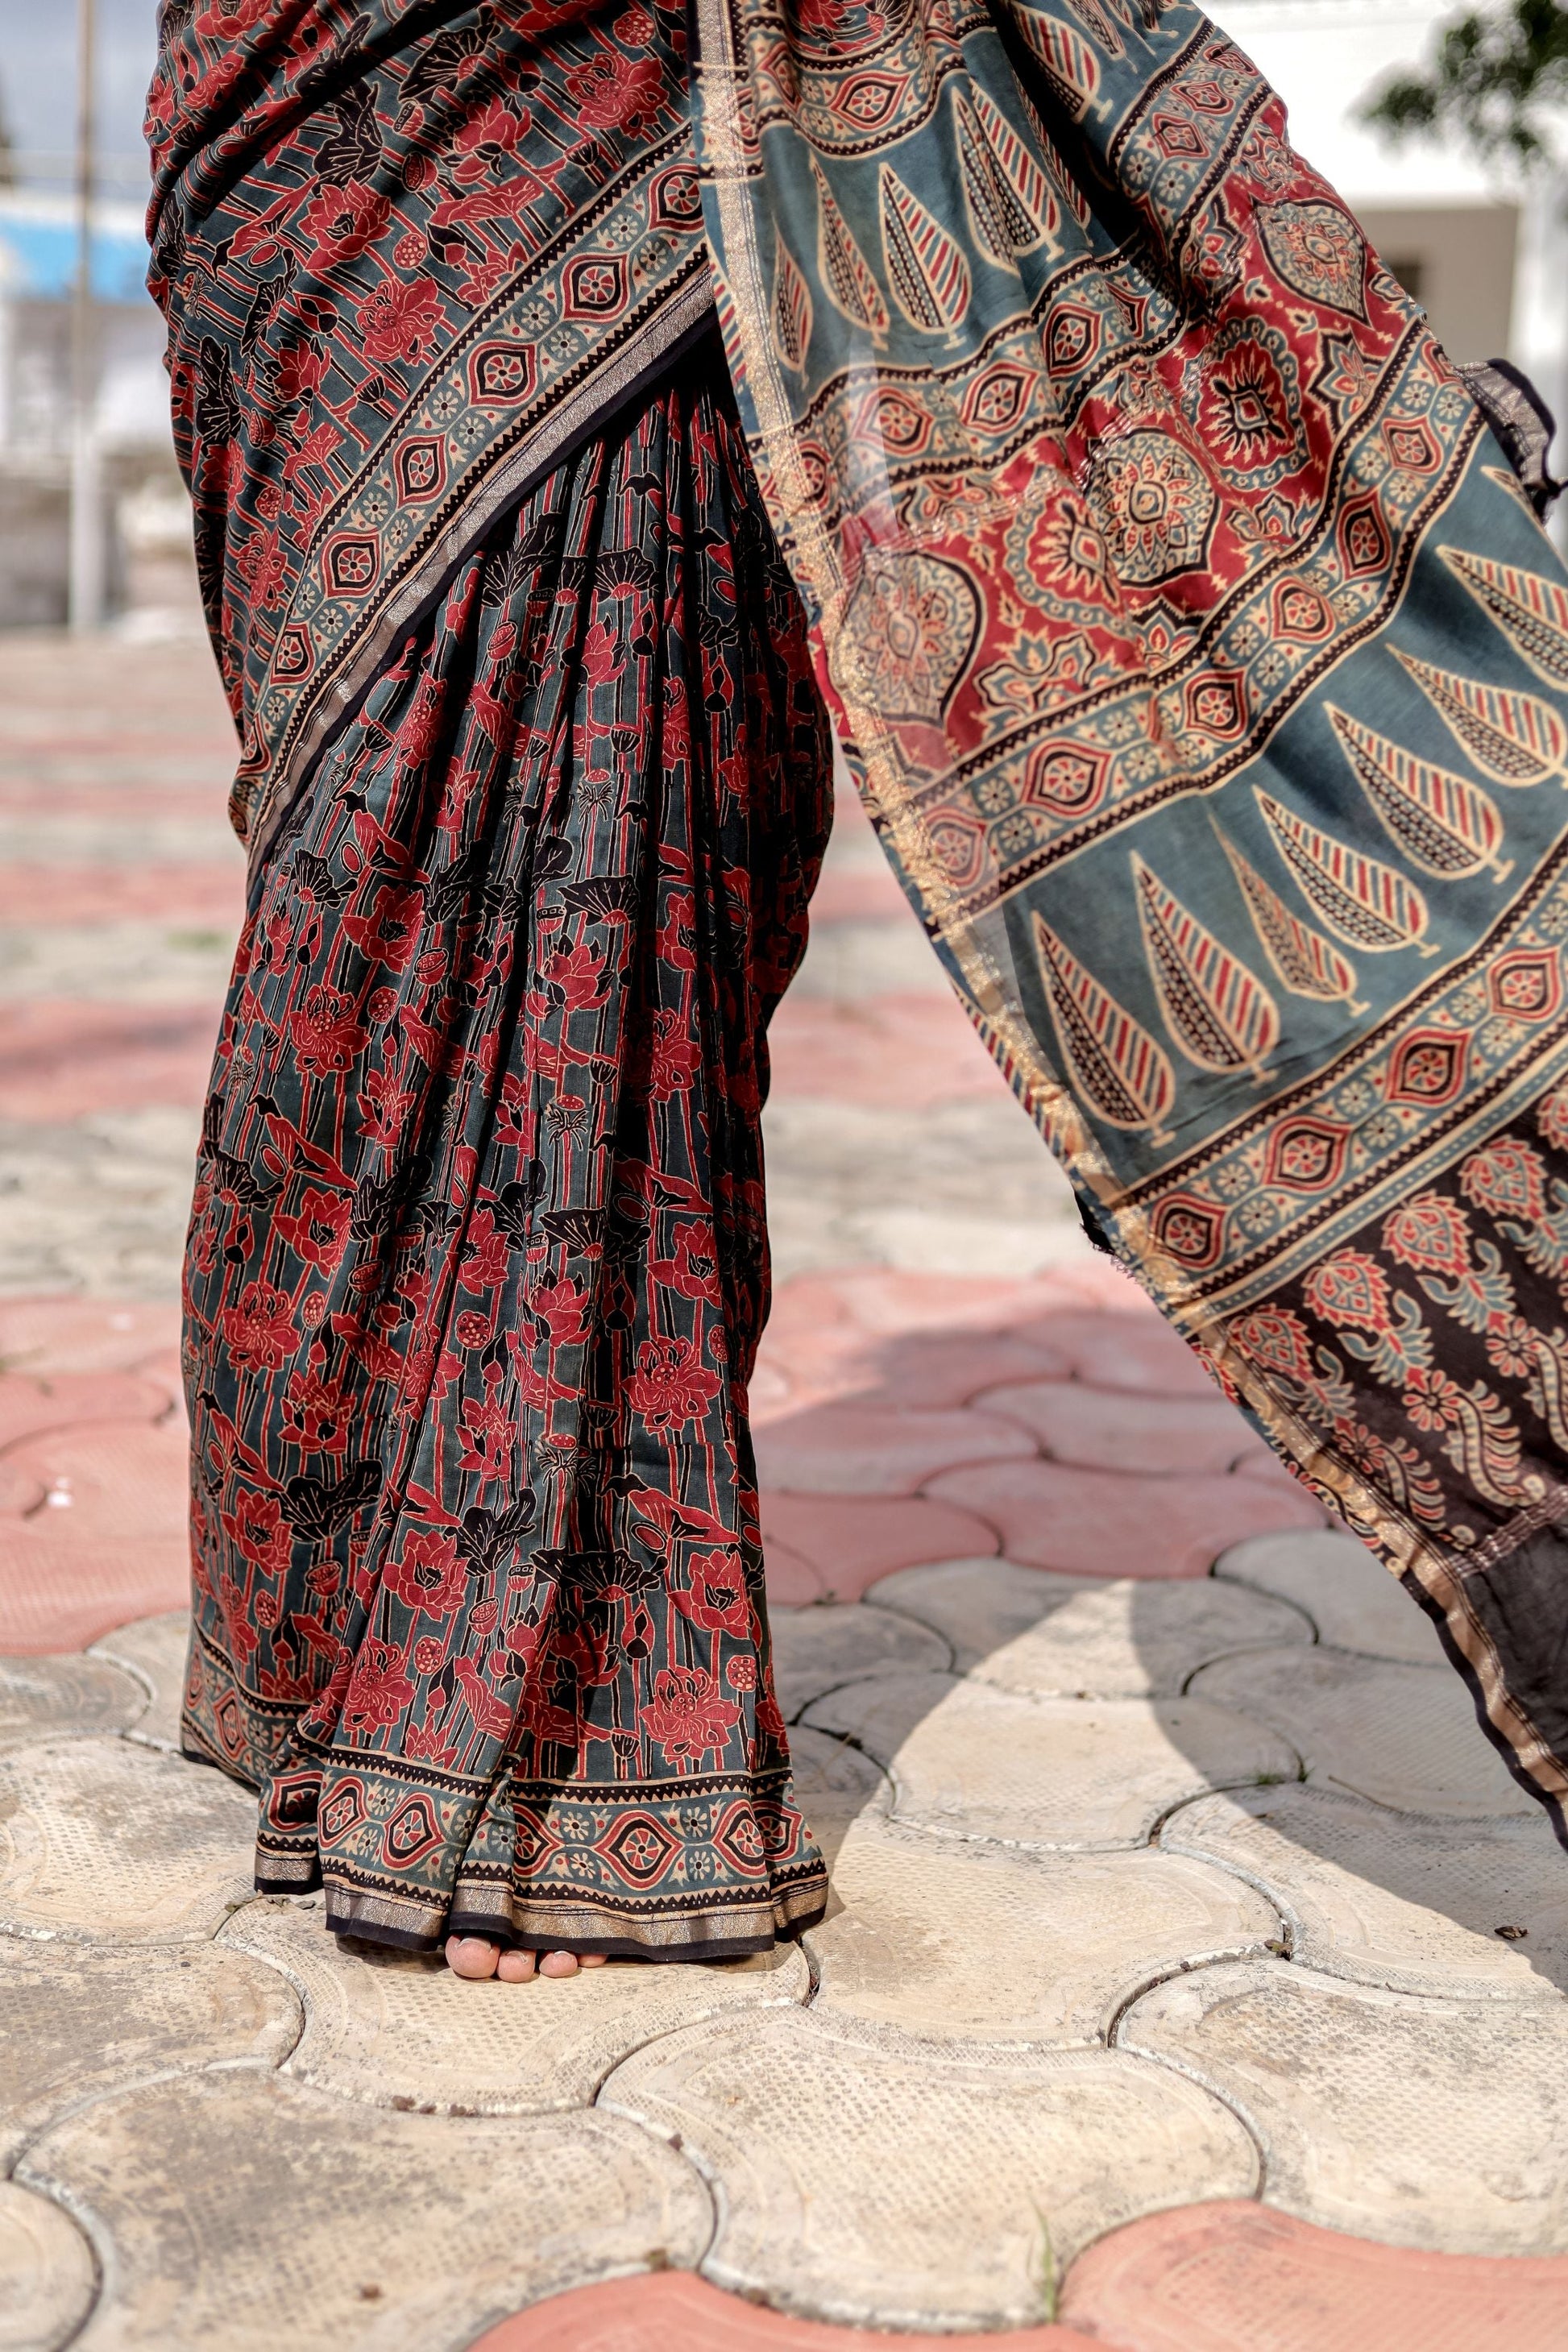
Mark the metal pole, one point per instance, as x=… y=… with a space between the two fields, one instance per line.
x=87 y=521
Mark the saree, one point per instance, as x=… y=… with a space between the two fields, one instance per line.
x=1205 y=673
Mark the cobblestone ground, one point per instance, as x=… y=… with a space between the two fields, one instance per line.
x=1196 y=1978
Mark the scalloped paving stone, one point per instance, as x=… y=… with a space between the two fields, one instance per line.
x=1422 y=2121
x=835 y=1785
x=1104 y=1523
x=1397 y=1734
x=930 y=1369
x=154 y=1649
x=844 y=1542
x=815 y=1650
x=1412 y=1904
x=75 y=2022
x=966 y=1941
x=1352 y=1599
x=1132 y=1347
x=395 y=2031
x=112 y=1842
x=30 y=1402
x=652 y=2315
x=1241 y=2278
x=868 y=2176
x=58 y=1594
x=1106 y=1431
x=849 y=1448
x=122 y=1478
x=59 y=1698
x=1027 y=1630
x=974 y=1761
x=253 y=2213
x=46 y=2277
x=45 y=1336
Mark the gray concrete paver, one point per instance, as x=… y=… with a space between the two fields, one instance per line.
x=65 y=1698
x=872 y=2176
x=47 y=2277
x=108 y=1843
x=250 y=2212
x=75 y=2023
x=1410 y=1903
x=1401 y=1735
x=816 y=1649
x=970 y=1760
x=1422 y=2121
x=99 y=1204
x=1027 y=1629
x=153 y=1649
x=970 y=1942
x=394 y=2030
x=1352 y=1599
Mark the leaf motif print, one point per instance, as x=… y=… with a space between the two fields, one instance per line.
x=1515 y=738
x=1303 y=960
x=1531 y=610
x=791 y=307
x=1362 y=900
x=851 y=287
x=1219 y=1013
x=1065 y=58
x=1098 y=24
x=1124 y=1074
x=1444 y=823
x=926 y=271
x=1009 y=198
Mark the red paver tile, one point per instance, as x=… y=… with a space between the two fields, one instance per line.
x=1104 y=1523
x=851 y=1448
x=61 y=1061
x=42 y=1335
x=792 y=1582
x=56 y=1594
x=923 y=1370
x=124 y=1478
x=858 y=894
x=178 y=896
x=29 y=1403
x=672 y=2311
x=849 y=1540
x=905 y=1051
x=1110 y=1429
x=1129 y=1350
x=1235 y=2277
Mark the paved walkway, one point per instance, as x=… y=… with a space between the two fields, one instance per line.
x=1196 y=1978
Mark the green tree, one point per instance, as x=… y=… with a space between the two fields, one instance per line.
x=1494 y=78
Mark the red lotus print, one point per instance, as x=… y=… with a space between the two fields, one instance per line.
x=693 y=1271
x=400 y=321
x=674 y=1058
x=259 y=1333
x=427 y=1574
x=578 y=974
x=561 y=1307
x=315 y=1413
x=342 y=221
x=326 y=1036
x=259 y=1531
x=385 y=1108
x=487 y=141
x=486 y=1438
x=671 y=1386
x=715 y=1595
x=379 y=1688
x=689 y=1716
x=390 y=932
x=616 y=92
x=318 y=1230
x=487 y=1254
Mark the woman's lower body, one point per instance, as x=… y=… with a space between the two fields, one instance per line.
x=479 y=1261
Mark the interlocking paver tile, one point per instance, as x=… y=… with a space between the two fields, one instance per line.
x=113 y=1478
x=154 y=1649
x=65 y=1698
x=29 y=1402
x=110 y=1842
x=849 y=1448
x=75 y=2022
x=907 y=1051
x=837 y=1785
x=395 y=2031
x=1403 y=1735
x=675 y=2308
x=1130 y=1350
x=844 y=1542
x=963 y=1940
x=1345 y=1590
x=866 y=2175
x=41 y=1336
x=975 y=1761
x=815 y=1650
x=1415 y=1905
x=254 y=2212
x=927 y=1370
x=1062 y=1636
x=63 y=1060
x=1422 y=2121
x=1104 y=1523
x=1234 y=2277
x=1104 y=1429
x=177 y=895
x=56 y=1594
x=48 y=2278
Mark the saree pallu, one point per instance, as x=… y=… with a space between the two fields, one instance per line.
x=1202 y=667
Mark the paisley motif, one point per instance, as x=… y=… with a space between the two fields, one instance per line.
x=909 y=631
x=1317 y=251
x=1156 y=507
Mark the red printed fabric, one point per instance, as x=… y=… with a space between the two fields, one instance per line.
x=479 y=1260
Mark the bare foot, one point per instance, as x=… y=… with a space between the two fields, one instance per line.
x=475 y=1957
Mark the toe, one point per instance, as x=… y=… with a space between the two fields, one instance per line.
x=471 y=1955
x=591 y=1959
x=558 y=1964
x=515 y=1968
